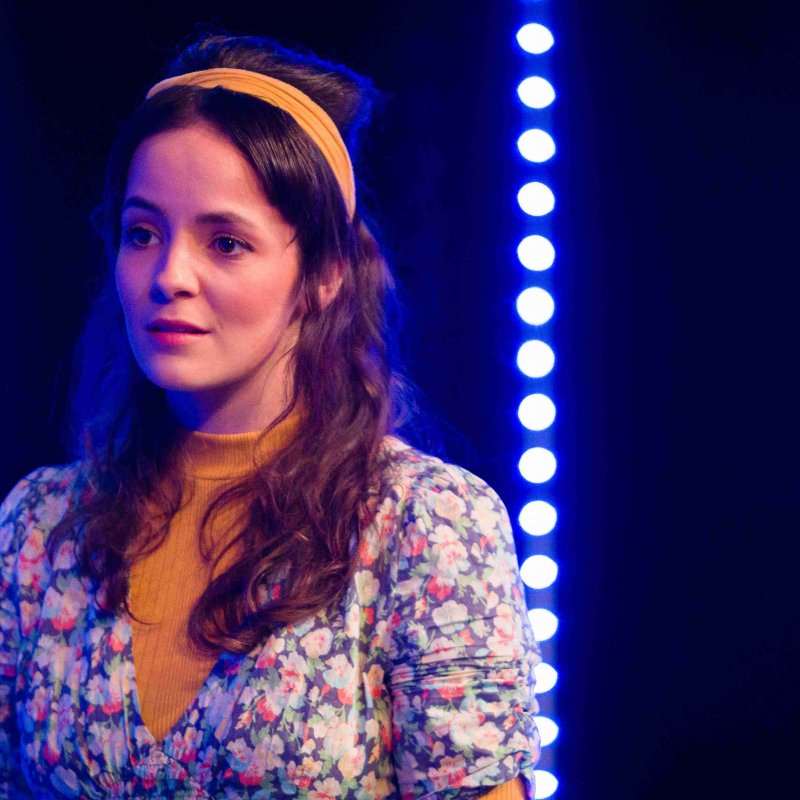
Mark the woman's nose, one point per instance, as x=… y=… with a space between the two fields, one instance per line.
x=175 y=272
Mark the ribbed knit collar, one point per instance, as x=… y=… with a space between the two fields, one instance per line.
x=222 y=456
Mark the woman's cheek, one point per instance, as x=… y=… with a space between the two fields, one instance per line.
x=126 y=291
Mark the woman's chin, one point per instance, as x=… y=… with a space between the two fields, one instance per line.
x=171 y=381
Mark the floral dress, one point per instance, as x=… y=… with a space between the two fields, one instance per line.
x=419 y=685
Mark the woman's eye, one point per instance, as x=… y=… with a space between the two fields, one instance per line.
x=230 y=245
x=137 y=236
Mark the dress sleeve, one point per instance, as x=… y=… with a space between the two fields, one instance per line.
x=463 y=650
x=12 y=782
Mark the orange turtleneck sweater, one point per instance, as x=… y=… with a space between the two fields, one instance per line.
x=165 y=584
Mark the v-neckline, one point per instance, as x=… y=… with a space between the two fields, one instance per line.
x=181 y=722
x=212 y=458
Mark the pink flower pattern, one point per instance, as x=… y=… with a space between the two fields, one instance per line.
x=420 y=685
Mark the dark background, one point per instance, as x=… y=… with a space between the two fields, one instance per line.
x=676 y=328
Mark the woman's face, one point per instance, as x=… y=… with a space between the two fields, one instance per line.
x=200 y=244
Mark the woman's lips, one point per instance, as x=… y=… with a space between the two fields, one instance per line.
x=175 y=338
x=175 y=332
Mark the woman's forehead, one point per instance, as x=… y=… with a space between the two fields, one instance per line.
x=198 y=157
x=196 y=170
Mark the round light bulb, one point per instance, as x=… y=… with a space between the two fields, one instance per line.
x=546 y=677
x=537 y=412
x=536 y=253
x=544 y=623
x=535 y=358
x=537 y=518
x=535 y=38
x=537 y=465
x=536 y=145
x=548 y=731
x=546 y=783
x=536 y=199
x=536 y=92
x=535 y=305
x=538 y=572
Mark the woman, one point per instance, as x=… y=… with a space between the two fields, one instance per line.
x=244 y=586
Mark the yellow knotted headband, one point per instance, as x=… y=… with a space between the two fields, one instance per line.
x=305 y=112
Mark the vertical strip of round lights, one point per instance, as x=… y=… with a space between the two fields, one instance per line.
x=536 y=360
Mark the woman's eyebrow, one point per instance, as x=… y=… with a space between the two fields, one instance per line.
x=224 y=218
x=207 y=218
x=134 y=201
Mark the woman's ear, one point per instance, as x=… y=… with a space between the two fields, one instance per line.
x=330 y=284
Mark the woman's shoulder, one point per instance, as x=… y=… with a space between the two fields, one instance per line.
x=421 y=492
x=420 y=474
x=39 y=501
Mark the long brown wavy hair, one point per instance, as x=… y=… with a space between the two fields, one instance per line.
x=303 y=506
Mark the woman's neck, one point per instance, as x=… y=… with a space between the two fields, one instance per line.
x=220 y=411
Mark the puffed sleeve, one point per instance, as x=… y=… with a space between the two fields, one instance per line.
x=12 y=782
x=463 y=650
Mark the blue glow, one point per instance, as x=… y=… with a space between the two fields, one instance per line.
x=537 y=412
x=538 y=518
x=546 y=677
x=548 y=730
x=544 y=623
x=535 y=358
x=536 y=253
x=536 y=199
x=535 y=306
x=536 y=145
x=535 y=38
x=536 y=92
x=546 y=783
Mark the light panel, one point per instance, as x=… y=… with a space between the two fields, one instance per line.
x=536 y=304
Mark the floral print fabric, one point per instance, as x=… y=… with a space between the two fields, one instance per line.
x=420 y=685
